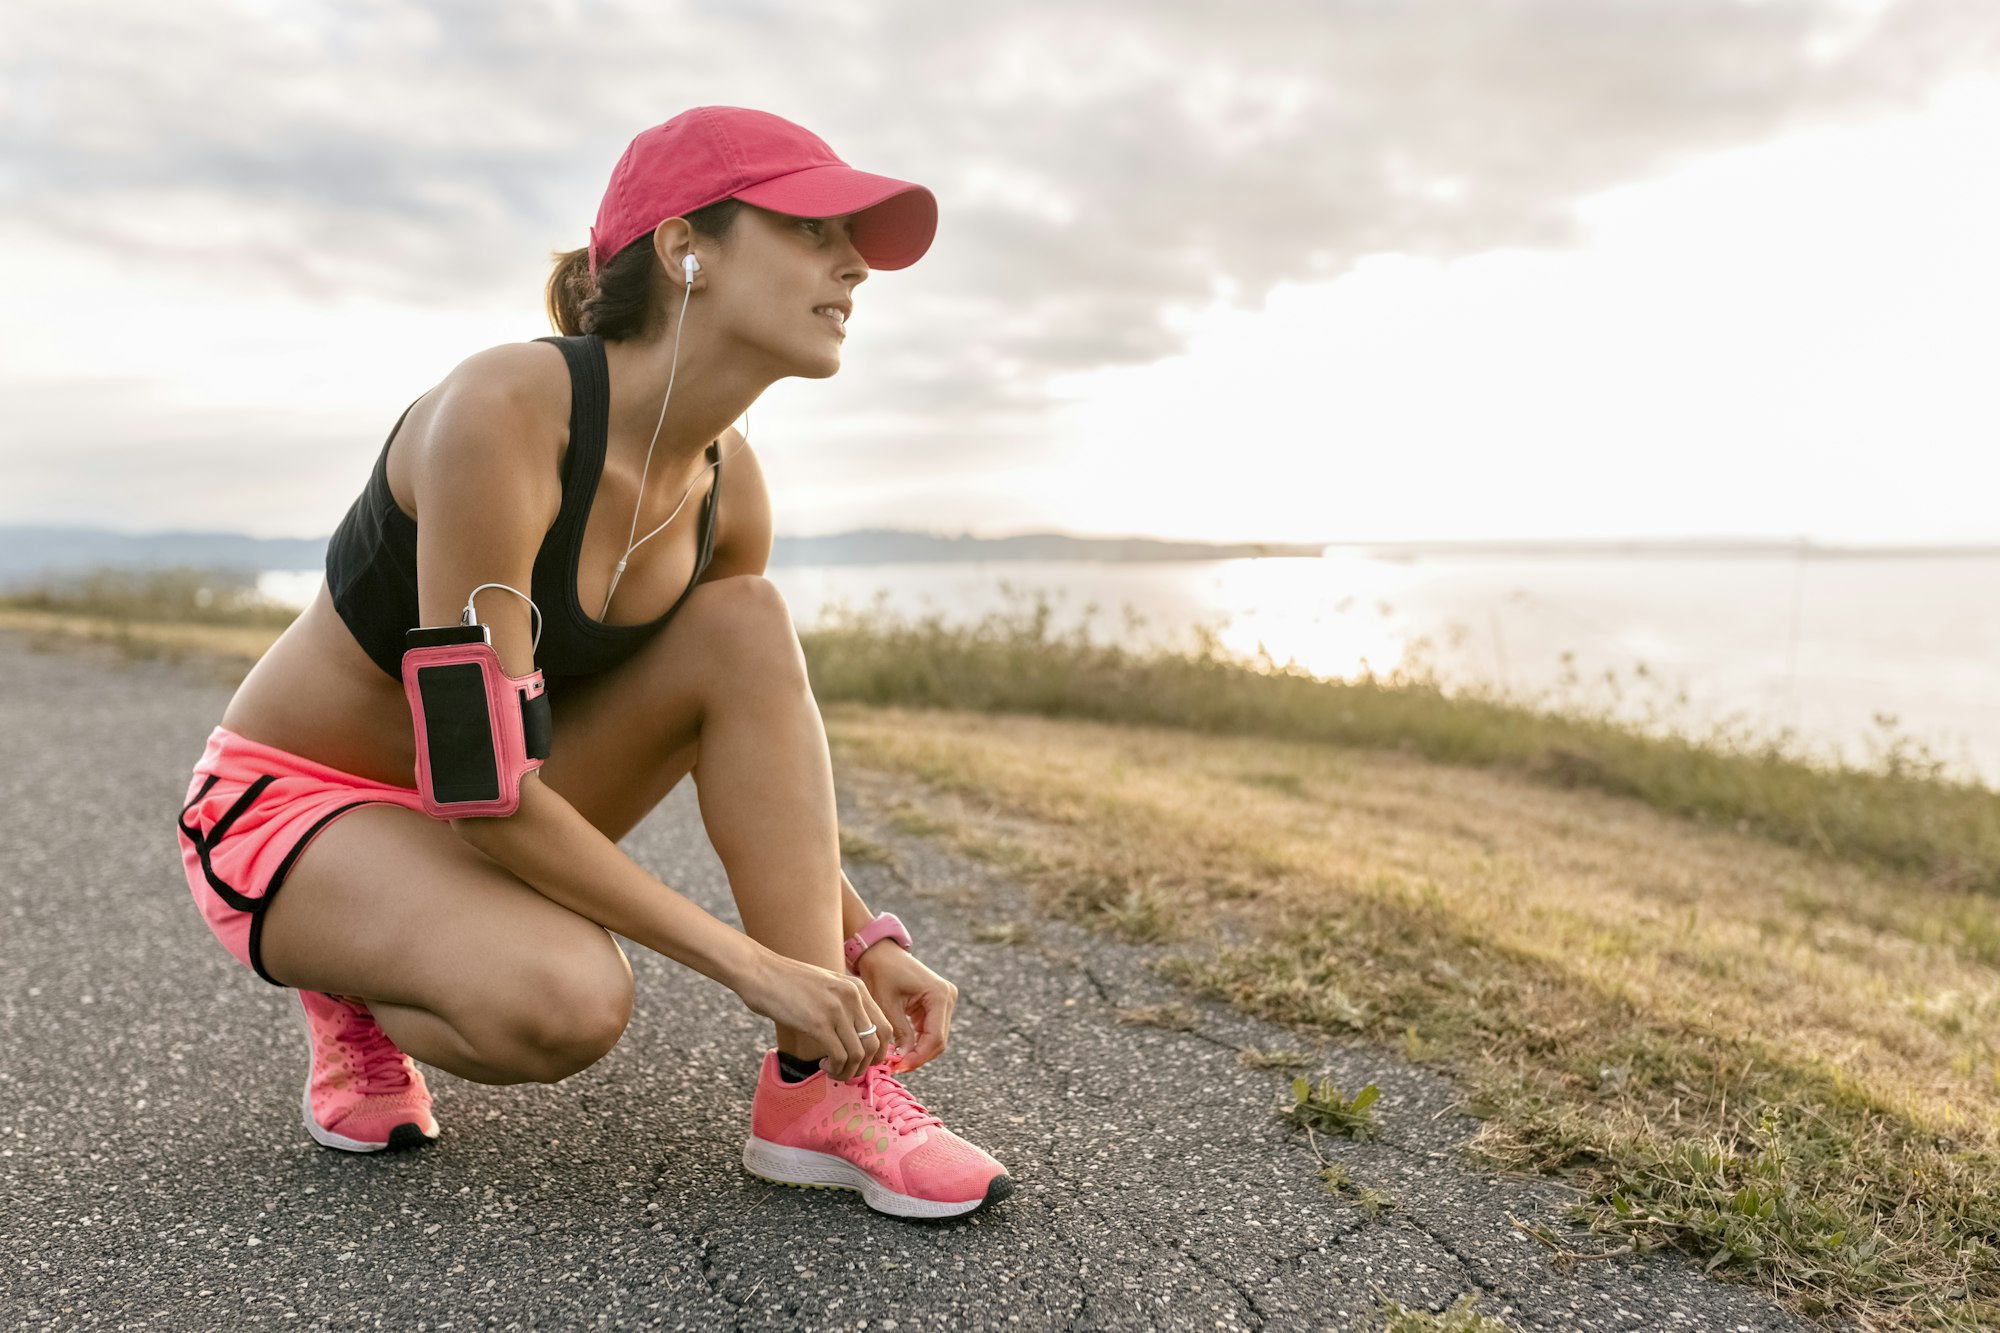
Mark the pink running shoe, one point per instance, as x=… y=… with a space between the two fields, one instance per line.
x=867 y=1134
x=362 y=1093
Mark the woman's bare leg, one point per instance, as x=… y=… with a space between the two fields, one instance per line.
x=722 y=692
x=463 y=965
x=765 y=782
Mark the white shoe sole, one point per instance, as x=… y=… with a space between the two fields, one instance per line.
x=818 y=1170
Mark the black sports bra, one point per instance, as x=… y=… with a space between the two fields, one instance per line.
x=371 y=560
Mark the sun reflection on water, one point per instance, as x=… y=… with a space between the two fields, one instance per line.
x=1821 y=650
x=1334 y=617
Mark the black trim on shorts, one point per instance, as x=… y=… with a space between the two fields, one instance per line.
x=205 y=843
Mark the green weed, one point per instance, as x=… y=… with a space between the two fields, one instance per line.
x=1326 y=1108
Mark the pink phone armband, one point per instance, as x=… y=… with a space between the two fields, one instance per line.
x=479 y=730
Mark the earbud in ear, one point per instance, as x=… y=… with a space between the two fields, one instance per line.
x=690 y=266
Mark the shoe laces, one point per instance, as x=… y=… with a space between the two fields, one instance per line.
x=379 y=1064
x=890 y=1099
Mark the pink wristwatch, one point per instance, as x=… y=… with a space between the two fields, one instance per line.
x=883 y=927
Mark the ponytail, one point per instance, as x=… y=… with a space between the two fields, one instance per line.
x=569 y=288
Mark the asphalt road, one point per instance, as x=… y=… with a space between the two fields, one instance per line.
x=154 y=1174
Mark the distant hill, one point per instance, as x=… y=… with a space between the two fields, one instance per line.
x=28 y=552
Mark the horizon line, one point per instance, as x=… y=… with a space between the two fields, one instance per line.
x=1769 y=541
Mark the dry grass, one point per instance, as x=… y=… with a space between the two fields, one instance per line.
x=857 y=848
x=224 y=653
x=1742 y=934
x=1903 y=809
x=1783 y=1062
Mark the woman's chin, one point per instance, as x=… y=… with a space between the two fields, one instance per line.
x=828 y=363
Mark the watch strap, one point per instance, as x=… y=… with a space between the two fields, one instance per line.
x=884 y=927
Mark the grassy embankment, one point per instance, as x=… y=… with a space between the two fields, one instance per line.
x=1743 y=1000
x=210 y=621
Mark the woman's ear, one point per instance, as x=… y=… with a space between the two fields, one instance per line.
x=673 y=240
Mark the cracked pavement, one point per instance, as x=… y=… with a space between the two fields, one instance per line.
x=155 y=1175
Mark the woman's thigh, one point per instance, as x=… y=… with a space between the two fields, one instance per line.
x=388 y=903
x=623 y=738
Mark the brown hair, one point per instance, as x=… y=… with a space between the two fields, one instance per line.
x=620 y=303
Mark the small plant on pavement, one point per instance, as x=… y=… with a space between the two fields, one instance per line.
x=1327 y=1108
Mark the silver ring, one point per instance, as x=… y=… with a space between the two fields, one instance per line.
x=865 y=1031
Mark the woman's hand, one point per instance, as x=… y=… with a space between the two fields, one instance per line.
x=918 y=1001
x=828 y=1007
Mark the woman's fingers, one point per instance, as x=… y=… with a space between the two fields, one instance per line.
x=935 y=1032
x=856 y=1052
x=843 y=1048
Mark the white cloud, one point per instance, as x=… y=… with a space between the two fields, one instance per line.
x=1790 y=338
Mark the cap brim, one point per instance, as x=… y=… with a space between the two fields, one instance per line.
x=895 y=221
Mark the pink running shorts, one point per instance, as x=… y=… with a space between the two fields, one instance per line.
x=250 y=812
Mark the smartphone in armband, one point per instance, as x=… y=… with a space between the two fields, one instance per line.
x=479 y=731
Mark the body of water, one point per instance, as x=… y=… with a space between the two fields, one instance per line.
x=1828 y=647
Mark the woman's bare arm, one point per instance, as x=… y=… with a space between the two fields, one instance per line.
x=548 y=843
x=486 y=494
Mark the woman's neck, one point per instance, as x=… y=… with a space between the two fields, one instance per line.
x=707 y=396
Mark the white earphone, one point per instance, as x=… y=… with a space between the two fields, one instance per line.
x=689 y=266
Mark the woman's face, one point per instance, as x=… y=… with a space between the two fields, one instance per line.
x=767 y=279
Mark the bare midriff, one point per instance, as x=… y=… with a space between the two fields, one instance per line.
x=316 y=694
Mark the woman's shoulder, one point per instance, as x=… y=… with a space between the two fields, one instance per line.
x=509 y=402
x=515 y=395
x=523 y=375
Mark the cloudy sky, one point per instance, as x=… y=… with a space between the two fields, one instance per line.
x=1300 y=271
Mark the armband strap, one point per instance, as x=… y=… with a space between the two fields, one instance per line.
x=479 y=731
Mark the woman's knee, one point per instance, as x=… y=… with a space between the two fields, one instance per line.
x=746 y=625
x=563 y=1012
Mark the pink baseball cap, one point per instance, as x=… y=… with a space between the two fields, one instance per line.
x=711 y=153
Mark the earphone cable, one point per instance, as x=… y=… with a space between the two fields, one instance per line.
x=672 y=368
